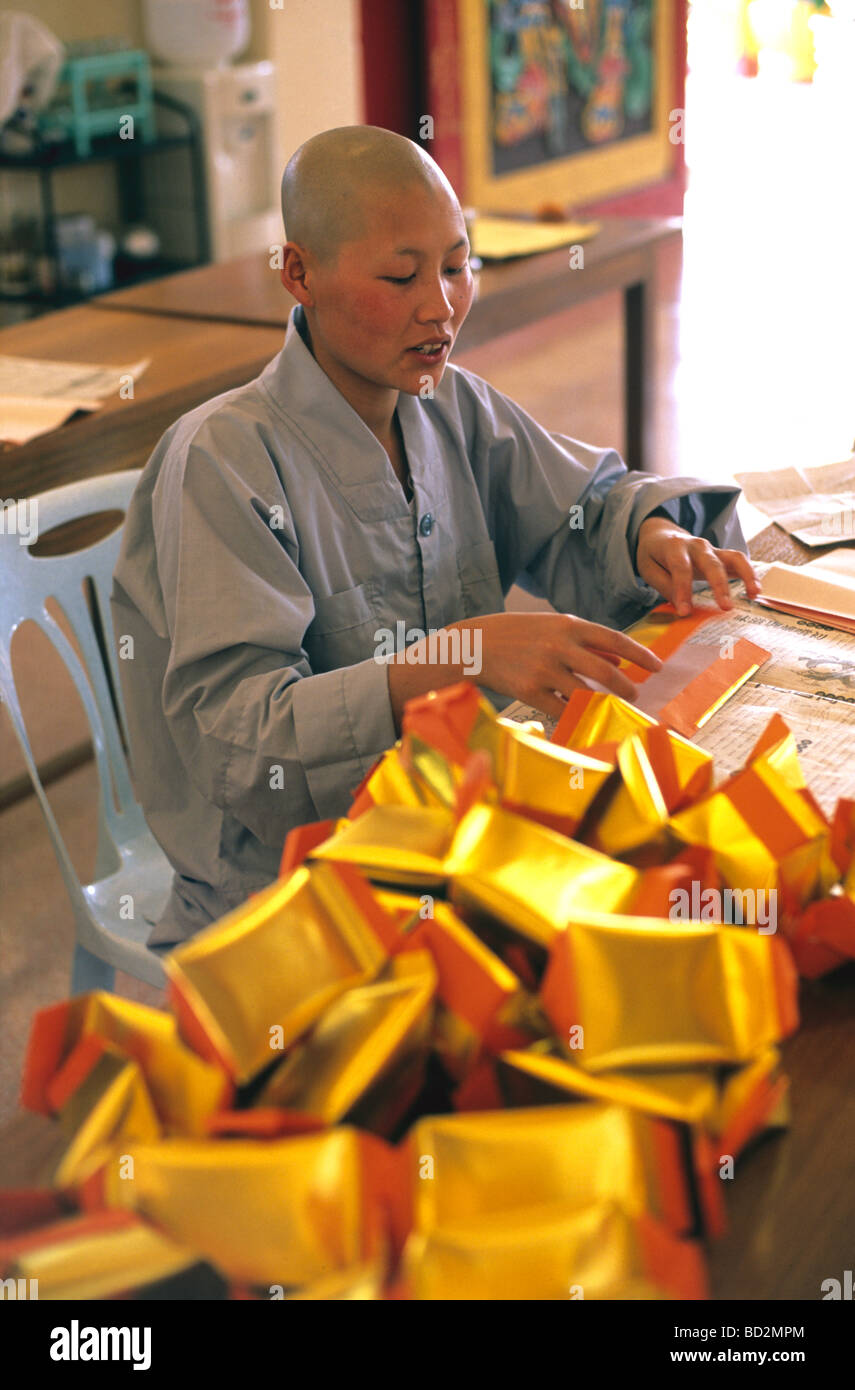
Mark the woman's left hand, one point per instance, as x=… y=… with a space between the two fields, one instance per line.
x=669 y=558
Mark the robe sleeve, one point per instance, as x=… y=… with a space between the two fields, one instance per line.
x=564 y=516
x=258 y=733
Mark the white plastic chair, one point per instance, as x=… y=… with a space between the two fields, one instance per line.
x=129 y=860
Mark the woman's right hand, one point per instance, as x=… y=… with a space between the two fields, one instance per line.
x=539 y=657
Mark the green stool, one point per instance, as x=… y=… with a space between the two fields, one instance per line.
x=85 y=107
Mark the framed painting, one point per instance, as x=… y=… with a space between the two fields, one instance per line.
x=563 y=101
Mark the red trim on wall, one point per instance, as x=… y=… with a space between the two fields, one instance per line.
x=392 y=63
x=410 y=66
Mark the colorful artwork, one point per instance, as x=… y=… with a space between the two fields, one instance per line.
x=567 y=76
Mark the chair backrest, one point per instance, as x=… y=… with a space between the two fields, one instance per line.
x=79 y=583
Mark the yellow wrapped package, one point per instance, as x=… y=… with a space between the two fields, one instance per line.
x=542 y=1075
x=394 y=844
x=184 y=1088
x=475 y=1165
x=363 y=1062
x=551 y=1253
x=445 y=783
x=551 y=785
x=245 y=988
x=659 y=773
x=764 y=834
x=102 y=1100
x=644 y=992
x=455 y=746
x=531 y=878
x=480 y=1002
x=752 y=1098
x=391 y=783
x=733 y=1103
x=285 y=1212
x=455 y=723
x=596 y=723
x=99 y=1255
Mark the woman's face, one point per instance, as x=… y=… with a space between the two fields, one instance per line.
x=405 y=283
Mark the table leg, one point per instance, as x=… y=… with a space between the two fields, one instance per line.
x=639 y=374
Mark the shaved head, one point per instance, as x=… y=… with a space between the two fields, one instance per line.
x=334 y=178
x=377 y=257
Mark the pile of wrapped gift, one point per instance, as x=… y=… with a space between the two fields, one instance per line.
x=464 y=1047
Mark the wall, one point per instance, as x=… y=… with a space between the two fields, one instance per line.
x=92 y=188
x=315 y=45
x=86 y=188
x=392 y=42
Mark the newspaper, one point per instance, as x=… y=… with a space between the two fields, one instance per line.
x=38 y=377
x=809 y=680
x=806 y=656
x=527 y=714
x=816 y=505
x=822 y=728
x=37 y=395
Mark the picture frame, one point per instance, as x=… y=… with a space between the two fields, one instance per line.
x=600 y=168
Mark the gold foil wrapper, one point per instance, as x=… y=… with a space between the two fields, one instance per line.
x=395 y=844
x=441 y=779
x=481 y=1002
x=100 y=1255
x=659 y=772
x=184 y=1088
x=752 y=1099
x=354 y=1064
x=733 y=1104
x=109 y=1104
x=289 y=1212
x=391 y=784
x=249 y=985
x=454 y=722
x=551 y=785
x=473 y=1166
x=520 y=769
x=637 y=814
x=597 y=723
x=553 y=1253
x=535 y=1075
x=764 y=834
x=529 y=877
x=650 y=993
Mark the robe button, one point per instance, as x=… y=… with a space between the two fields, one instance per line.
x=426 y=524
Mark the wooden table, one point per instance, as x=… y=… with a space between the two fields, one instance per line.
x=191 y=361
x=791 y=1204
x=511 y=295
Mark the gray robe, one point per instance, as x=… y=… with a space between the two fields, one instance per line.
x=267 y=543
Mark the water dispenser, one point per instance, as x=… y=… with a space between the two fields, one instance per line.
x=237 y=110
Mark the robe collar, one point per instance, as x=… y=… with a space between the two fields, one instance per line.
x=341 y=442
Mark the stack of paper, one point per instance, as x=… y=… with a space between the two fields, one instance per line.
x=823 y=590
x=500 y=238
x=816 y=505
x=37 y=395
